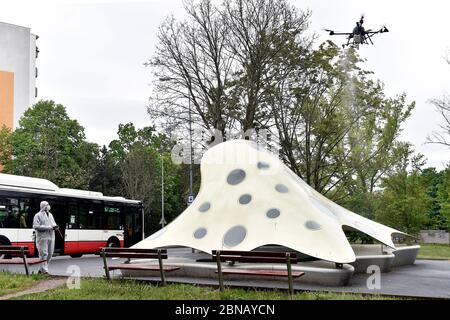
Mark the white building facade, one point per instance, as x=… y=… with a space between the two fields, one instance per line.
x=18 y=72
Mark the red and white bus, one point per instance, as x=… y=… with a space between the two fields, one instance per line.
x=88 y=220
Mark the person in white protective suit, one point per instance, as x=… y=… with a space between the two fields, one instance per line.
x=45 y=227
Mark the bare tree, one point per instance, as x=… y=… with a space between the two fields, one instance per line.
x=140 y=176
x=443 y=108
x=191 y=64
x=260 y=32
x=220 y=59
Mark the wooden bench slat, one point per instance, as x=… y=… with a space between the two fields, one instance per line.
x=129 y=266
x=259 y=272
x=134 y=255
x=33 y=261
x=11 y=251
x=253 y=259
x=255 y=253
x=13 y=247
x=131 y=250
x=15 y=261
x=12 y=261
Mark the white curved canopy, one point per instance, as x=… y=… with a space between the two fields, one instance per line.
x=249 y=198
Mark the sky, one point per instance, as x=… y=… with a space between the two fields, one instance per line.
x=92 y=55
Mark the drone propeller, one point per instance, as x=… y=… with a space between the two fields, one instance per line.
x=330 y=31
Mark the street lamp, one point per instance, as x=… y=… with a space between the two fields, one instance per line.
x=191 y=192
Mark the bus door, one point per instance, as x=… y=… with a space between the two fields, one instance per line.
x=128 y=229
x=133 y=225
x=58 y=209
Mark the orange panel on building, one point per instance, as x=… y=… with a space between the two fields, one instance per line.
x=6 y=99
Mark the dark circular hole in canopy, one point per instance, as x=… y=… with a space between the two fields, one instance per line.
x=200 y=233
x=245 y=199
x=273 y=213
x=204 y=207
x=236 y=176
x=234 y=236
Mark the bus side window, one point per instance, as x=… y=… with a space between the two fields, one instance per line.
x=112 y=218
x=72 y=221
x=9 y=213
x=90 y=216
x=25 y=213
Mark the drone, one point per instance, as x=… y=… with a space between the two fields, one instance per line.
x=359 y=36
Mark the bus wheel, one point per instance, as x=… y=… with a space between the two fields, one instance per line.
x=5 y=242
x=78 y=255
x=113 y=243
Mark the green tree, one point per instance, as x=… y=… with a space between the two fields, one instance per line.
x=404 y=201
x=337 y=129
x=433 y=183
x=48 y=144
x=443 y=198
x=139 y=154
x=107 y=177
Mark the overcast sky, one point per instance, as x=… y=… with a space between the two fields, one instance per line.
x=92 y=54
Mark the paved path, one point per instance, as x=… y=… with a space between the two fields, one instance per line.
x=427 y=278
x=42 y=286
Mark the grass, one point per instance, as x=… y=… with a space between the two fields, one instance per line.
x=434 y=251
x=100 y=289
x=10 y=283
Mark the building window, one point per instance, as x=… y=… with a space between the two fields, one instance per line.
x=36 y=72
x=35 y=92
x=37 y=52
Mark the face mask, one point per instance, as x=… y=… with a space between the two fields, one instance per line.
x=48 y=208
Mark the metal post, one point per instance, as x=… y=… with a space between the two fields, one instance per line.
x=25 y=262
x=219 y=271
x=105 y=265
x=161 y=268
x=289 y=270
x=163 y=220
x=143 y=222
